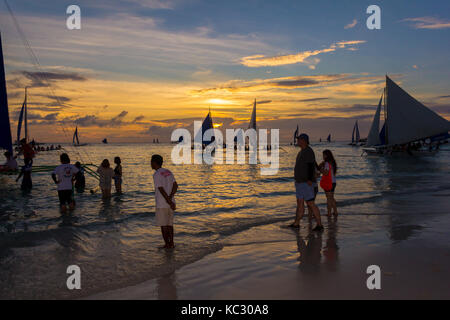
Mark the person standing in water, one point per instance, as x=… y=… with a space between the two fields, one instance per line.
x=305 y=177
x=80 y=180
x=27 y=184
x=328 y=169
x=106 y=174
x=63 y=176
x=118 y=175
x=165 y=189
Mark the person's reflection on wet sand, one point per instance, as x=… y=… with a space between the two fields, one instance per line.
x=331 y=249
x=166 y=284
x=310 y=251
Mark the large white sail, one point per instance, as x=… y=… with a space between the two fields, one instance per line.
x=409 y=120
x=373 y=138
x=252 y=124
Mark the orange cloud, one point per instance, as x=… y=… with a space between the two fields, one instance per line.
x=429 y=23
x=259 y=60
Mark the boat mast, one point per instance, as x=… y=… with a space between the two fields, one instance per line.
x=386 y=141
x=26 y=116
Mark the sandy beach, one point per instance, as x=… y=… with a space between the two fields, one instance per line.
x=274 y=262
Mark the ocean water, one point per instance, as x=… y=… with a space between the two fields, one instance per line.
x=116 y=242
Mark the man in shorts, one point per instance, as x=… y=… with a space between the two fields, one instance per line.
x=165 y=189
x=63 y=176
x=305 y=179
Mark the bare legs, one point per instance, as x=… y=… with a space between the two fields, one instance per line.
x=331 y=204
x=301 y=211
x=106 y=193
x=118 y=186
x=167 y=233
x=64 y=207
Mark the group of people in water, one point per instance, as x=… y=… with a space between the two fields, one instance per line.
x=70 y=177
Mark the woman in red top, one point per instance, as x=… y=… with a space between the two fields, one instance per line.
x=328 y=169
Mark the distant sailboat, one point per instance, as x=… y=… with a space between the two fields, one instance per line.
x=75 y=140
x=355 y=134
x=206 y=125
x=329 y=138
x=296 y=135
x=105 y=141
x=409 y=126
x=23 y=118
x=5 y=128
x=252 y=124
x=157 y=140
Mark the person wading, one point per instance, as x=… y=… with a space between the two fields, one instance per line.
x=305 y=179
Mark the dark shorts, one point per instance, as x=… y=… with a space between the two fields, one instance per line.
x=65 y=196
x=305 y=191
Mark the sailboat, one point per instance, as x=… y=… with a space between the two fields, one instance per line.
x=23 y=118
x=355 y=135
x=409 y=126
x=329 y=138
x=207 y=124
x=75 y=140
x=295 y=136
x=252 y=124
x=5 y=128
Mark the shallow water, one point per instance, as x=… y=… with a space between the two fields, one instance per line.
x=116 y=242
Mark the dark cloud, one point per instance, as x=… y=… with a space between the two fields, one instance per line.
x=51 y=116
x=42 y=79
x=37 y=116
x=442 y=109
x=93 y=120
x=295 y=83
x=291 y=82
x=304 y=100
x=138 y=118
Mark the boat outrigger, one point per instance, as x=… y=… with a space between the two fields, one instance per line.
x=409 y=126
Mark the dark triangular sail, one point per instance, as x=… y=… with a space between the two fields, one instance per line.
x=207 y=124
x=356 y=132
x=409 y=120
x=252 y=124
x=75 y=137
x=373 y=138
x=5 y=128
x=296 y=135
x=19 y=124
x=353 y=133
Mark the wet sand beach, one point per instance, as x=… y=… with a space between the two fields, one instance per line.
x=272 y=262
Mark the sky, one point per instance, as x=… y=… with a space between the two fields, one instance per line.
x=137 y=70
